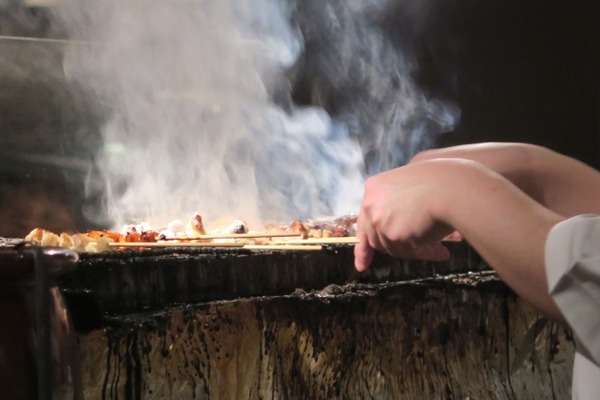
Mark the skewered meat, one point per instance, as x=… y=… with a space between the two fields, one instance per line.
x=194 y=230
x=238 y=226
x=196 y=227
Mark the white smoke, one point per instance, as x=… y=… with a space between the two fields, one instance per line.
x=200 y=115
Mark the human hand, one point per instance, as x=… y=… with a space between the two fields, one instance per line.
x=399 y=214
x=407 y=211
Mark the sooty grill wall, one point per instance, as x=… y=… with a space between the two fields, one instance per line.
x=226 y=324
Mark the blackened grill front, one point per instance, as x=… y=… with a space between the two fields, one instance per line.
x=234 y=323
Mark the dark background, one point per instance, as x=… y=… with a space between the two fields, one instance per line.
x=525 y=71
x=519 y=70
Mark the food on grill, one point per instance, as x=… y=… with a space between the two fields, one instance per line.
x=177 y=229
x=298 y=226
x=81 y=242
x=196 y=227
x=194 y=233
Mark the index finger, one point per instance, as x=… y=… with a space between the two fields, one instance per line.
x=363 y=252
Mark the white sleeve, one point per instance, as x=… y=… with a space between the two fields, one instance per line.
x=572 y=258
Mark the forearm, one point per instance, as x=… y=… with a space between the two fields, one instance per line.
x=560 y=183
x=565 y=185
x=507 y=228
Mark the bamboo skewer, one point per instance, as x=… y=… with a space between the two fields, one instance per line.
x=253 y=235
x=329 y=240
x=173 y=244
x=344 y=240
x=283 y=247
x=165 y=244
x=292 y=244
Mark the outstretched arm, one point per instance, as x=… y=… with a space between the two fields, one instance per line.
x=408 y=210
x=563 y=184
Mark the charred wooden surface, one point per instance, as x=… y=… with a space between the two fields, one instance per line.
x=452 y=337
x=129 y=281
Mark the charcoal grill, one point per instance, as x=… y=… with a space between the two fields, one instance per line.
x=207 y=323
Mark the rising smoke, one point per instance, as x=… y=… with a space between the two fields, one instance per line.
x=200 y=98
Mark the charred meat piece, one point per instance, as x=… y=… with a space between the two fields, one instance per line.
x=348 y=222
x=298 y=226
x=133 y=236
x=149 y=236
x=239 y=226
x=116 y=236
x=196 y=226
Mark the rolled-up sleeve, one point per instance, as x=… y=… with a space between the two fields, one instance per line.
x=572 y=258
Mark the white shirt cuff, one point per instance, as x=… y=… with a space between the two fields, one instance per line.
x=572 y=259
